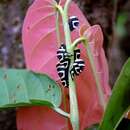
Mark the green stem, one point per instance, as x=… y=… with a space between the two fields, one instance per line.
x=66 y=27
x=98 y=84
x=67 y=6
x=61 y=112
x=74 y=113
x=77 y=41
x=93 y=67
x=58 y=29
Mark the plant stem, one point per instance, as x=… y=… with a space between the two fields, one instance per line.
x=74 y=113
x=66 y=27
x=60 y=111
x=58 y=29
x=93 y=67
x=77 y=41
x=67 y=6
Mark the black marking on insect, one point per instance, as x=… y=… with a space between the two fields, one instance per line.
x=73 y=22
x=78 y=65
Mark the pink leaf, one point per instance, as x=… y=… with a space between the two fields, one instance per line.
x=39 y=36
x=40 y=46
x=90 y=109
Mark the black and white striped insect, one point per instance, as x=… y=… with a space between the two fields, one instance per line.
x=73 y=22
x=63 y=65
x=78 y=65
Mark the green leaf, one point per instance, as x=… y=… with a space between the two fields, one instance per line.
x=119 y=102
x=25 y=88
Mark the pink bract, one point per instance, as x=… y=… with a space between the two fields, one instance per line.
x=40 y=46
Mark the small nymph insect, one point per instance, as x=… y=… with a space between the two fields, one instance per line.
x=78 y=65
x=73 y=22
x=63 y=65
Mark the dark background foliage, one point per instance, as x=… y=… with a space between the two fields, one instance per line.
x=112 y=15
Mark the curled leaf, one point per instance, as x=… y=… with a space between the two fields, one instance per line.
x=91 y=111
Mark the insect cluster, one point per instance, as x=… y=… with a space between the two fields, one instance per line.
x=63 y=66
